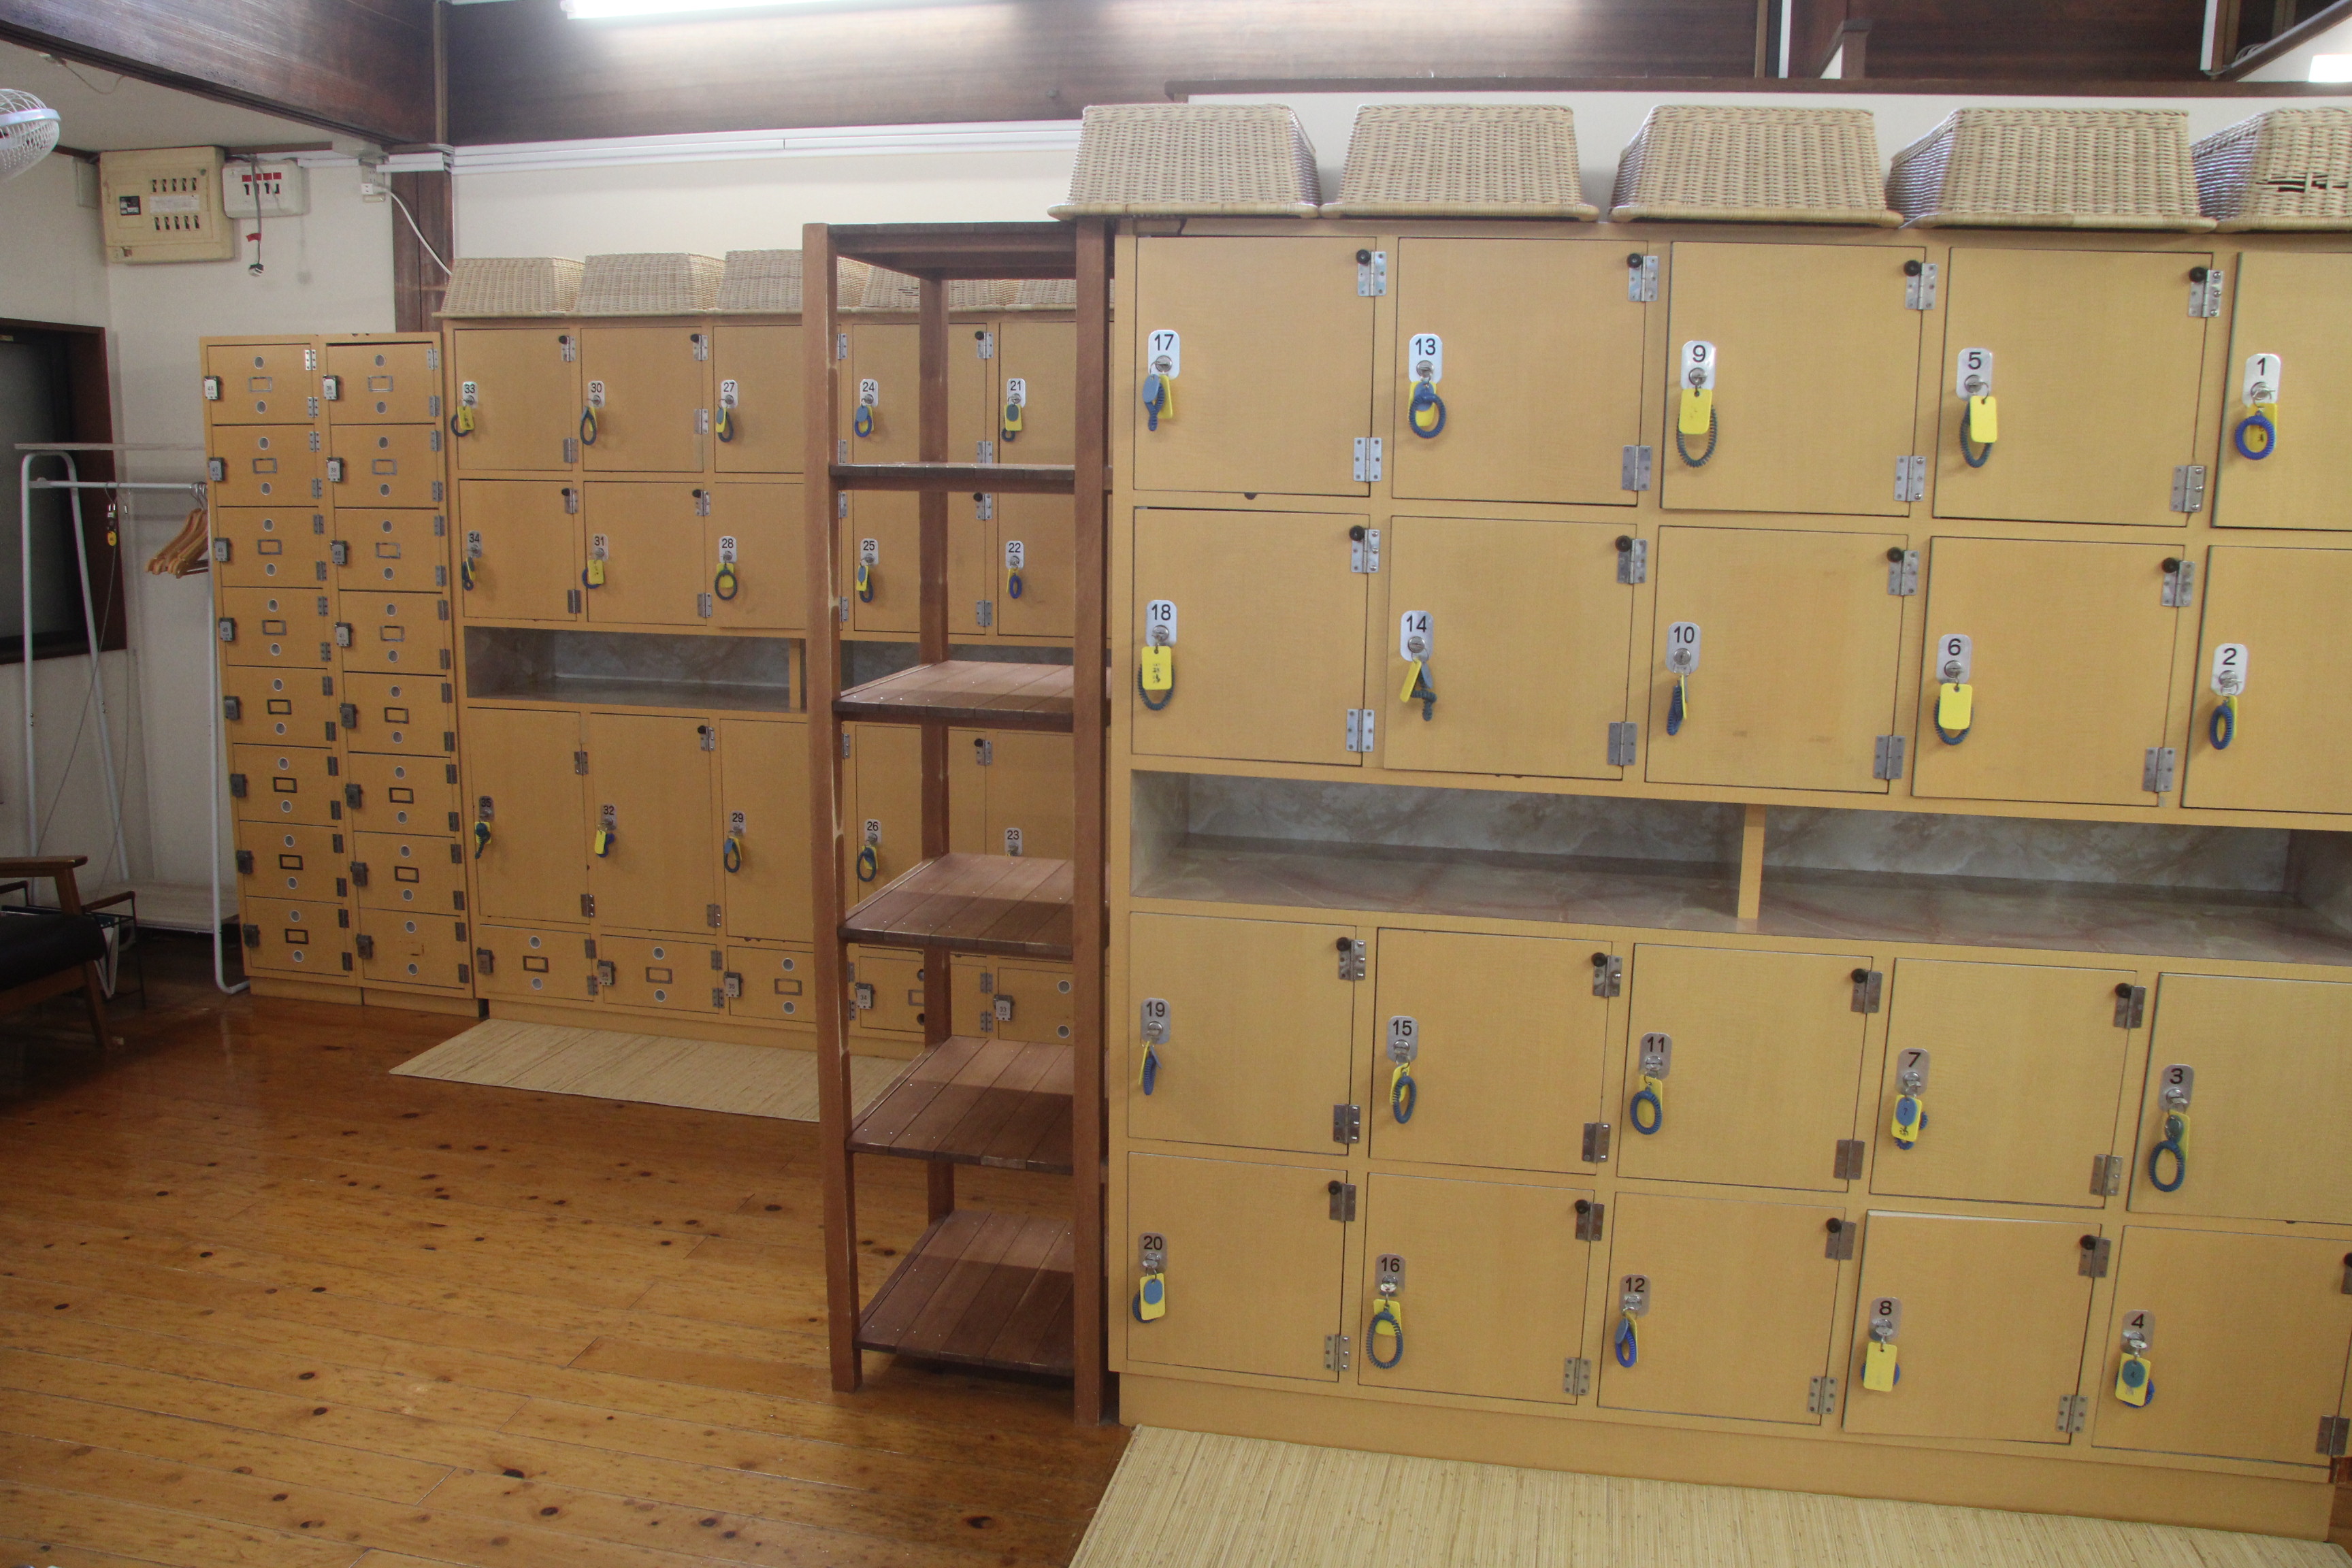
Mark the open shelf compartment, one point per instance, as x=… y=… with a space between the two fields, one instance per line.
x=992 y=693
x=1019 y=907
x=972 y=1100
x=980 y=1290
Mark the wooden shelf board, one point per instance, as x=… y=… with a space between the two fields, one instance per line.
x=996 y=479
x=974 y=1100
x=967 y=691
x=980 y=1290
x=1019 y=906
x=952 y=250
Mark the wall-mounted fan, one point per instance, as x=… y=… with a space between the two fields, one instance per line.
x=29 y=129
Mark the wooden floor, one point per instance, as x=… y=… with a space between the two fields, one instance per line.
x=262 y=1303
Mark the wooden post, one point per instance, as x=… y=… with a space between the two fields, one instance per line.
x=931 y=648
x=1751 y=867
x=1089 y=735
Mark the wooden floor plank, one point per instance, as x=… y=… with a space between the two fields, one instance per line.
x=62 y=1521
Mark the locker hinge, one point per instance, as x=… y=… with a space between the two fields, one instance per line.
x=2156 y=773
x=984 y=506
x=701 y=502
x=1919 y=288
x=1364 y=548
x=1633 y=467
x=1608 y=974
x=2334 y=1435
x=1624 y=736
x=1596 y=1142
x=1869 y=989
x=841 y=506
x=845 y=609
x=1590 y=1219
x=364 y=945
x=2107 y=1175
x=1902 y=571
x=1352 y=952
x=1346 y=1123
x=1821 y=1398
x=711 y=916
x=587 y=903
x=984 y=344
x=2131 y=1006
x=983 y=751
x=431 y=357
x=2179 y=583
x=2073 y=1409
x=1360 y=723
x=1368 y=459
x=1343 y=1200
x=2205 y=292
x=844 y=745
x=841 y=450
x=1371 y=273
x=1849 y=1160
x=702 y=605
x=2090 y=1260
x=1642 y=278
x=701 y=345
x=983 y=613
x=571 y=449
x=245 y=862
x=1838 y=1247
x=579 y=761
x=358 y=874
x=1576 y=1377
x=1335 y=1352
x=841 y=345
x=1633 y=559
x=985 y=451
x=1886 y=757
x=2188 y=487
x=1911 y=478
x=708 y=733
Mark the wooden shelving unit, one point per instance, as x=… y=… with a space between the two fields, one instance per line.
x=1019 y=1293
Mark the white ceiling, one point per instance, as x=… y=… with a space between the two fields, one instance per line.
x=102 y=112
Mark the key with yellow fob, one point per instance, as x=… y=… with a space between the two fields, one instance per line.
x=1984 y=420
x=1158 y=665
x=1151 y=1298
x=1698 y=411
x=1411 y=681
x=2135 y=1380
x=1878 y=1366
x=1955 y=707
x=604 y=842
x=595 y=576
x=462 y=422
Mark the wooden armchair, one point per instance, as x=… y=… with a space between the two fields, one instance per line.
x=48 y=954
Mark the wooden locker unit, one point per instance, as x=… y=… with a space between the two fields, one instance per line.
x=882 y=791
x=411 y=714
x=385 y=466
x=1538 y=365
x=879 y=533
x=756 y=528
x=887 y=992
x=523 y=781
x=278 y=707
x=1816 y=367
x=755 y=368
x=524 y=540
x=408 y=873
x=2293 y=307
x=400 y=948
x=771 y=982
x=285 y=784
x=1029 y=543
x=265 y=465
x=2097 y=360
x=292 y=860
x=763 y=809
x=261 y=383
x=286 y=629
x=885 y=354
x=391 y=383
x=1527 y=629
x=648 y=535
x=680 y=975
x=393 y=793
x=396 y=634
x=532 y=965
x=1042 y=356
x=649 y=781
x=523 y=386
x=2282 y=608
x=1012 y=999
x=270 y=548
x=1006 y=792
x=653 y=381
x=297 y=938
x=1800 y=640
x=383 y=551
x=1989 y=1341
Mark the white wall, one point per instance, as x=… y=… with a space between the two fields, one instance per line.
x=2296 y=64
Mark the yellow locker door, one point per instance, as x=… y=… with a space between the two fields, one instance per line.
x=291 y=860
x=1010 y=792
x=404 y=551
x=882 y=789
x=261 y=383
x=676 y=974
x=1269 y=625
x=1271 y=347
x=757 y=529
x=532 y=966
x=770 y=984
x=1988 y=1326
x=522 y=781
x=270 y=547
x=404 y=713
x=265 y=465
x=885 y=375
x=757 y=372
x=285 y=784
x=648 y=388
x=649 y=785
x=2273 y=620
x=1253 y=1261
x=384 y=383
x=2284 y=307
x=397 y=949
x=2096 y=361
x=403 y=634
x=409 y=874
x=1256 y=1016
x=387 y=465
x=1813 y=358
x=300 y=938
x=1763 y=1057
x=2019 y=1069
x=648 y=538
x=763 y=800
x=2269 y=1100
x=2245 y=1340
x=1503 y=1035
x=1527 y=629
x=522 y=538
x=1797 y=642
x=1535 y=348
x=882 y=534
x=279 y=707
x=1035 y=998
x=287 y=629
x=1037 y=363
x=2069 y=656
x=401 y=795
x=1734 y=1300
x=1451 y=1251
x=523 y=384
x=1032 y=576
x=886 y=994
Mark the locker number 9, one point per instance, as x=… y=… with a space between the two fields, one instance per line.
x=1699 y=364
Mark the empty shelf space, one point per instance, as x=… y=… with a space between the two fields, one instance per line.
x=1000 y=478
x=973 y=1101
x=1019 y=906
x=967 y=691
x=979 y=1290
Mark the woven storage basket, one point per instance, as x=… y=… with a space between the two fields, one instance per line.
x=649 y=283
x=2050 y=168
x=511 y=286
x=1183 y=160
x=2291 y=168
x=980 y=293
x=881 y=290
x=1045 y=294
x=759 y=282
x=1462 y=160
x=1732 y=163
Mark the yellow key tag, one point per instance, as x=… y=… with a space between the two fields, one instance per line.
x=1151 y=1297
x=464 y=421
x=595 y=572
x=603 y=845
x=1698 y=410
x=2135 y=1380
x=1984 y=420
x=1412 y=679
x=1159 y=666
x=1910 y=1116
x=1956 y=706
x=1878 y=1366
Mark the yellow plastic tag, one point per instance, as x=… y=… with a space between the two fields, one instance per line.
x=604 y=844
x=1956 y=706
x=1698 y=410
x=463 y=421
x=1013 y=420
x=1151 y=1297
x=595 y=572
x=1159 y=666
x=2135 y=1380
x=1879 y=1367
x=1910 y=1115
x=1387 y=1317
x=1412 y=679
x=1984 y=420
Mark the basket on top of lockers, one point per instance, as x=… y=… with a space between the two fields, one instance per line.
x=880 y=289
x=2050 y=168
x=1189 y=160
x=759 y=283
x=1739 y=164
x=1045 y=294
x=649 y=283
x=2291 y=168
x=1463 y=160
x=484 y=286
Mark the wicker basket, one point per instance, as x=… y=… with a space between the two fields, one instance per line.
x=760 y=283
x=649 y=283
x=482 y=286
x=2291 y=168
x=1739 y=165
x=1045 y=294
x=980 y=293
x=1186 y=160
x=1461 y=160
x=2050 y=168
x=880 y=289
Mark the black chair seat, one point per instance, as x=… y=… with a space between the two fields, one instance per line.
x=35 y=946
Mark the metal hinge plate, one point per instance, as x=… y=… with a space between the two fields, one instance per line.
x=2156 y=773
x=1335 y=1352
x=1371 y=273
x=1903 y=575
x=1820 y=1397
x=1346 y=1123
x=1361 y=725
x=2335 y=1435
x=2180 y=586
x=2205 y=293
x=709 y=736
x=2073 y=1409
x=1589 y=1219
x=1633 y=561
x=1608 y=974
x=1919 y=288
x=1596 y=1142
x=2188 y=487
x=1849 y=1160
x=1642 y=280
x=1576 y=1377
x=2107 y=1175
x=1624 y=738
x=1911 y=478
x=710 y=913
x=1343 y=1201
x=983 y=613
x=2091 y=1257
x=1839 y=1246
x=1869 y=989
x=588 y=903
x=1886 y=757
x=1368 y=459
x=702 y=605
x=1634 y=467
x=1353 y=951
x=984 y=344
x=1364 y=554
x=2131 y=1007
x=579 y=761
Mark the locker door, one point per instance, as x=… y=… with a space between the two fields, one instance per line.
x=1257 y=1021
x=1816 y=360
x=532 y=966
x=528 y=532
x=520 y=779
x=758 y=373
x=2246 y=1339
x=403 y=551
x=270 y=547
x=1469 y=1248
x=287 y=629
x=401 y=949
x=763 y=782
x=261 y=383
x=1761 y=1082
x=1270 y=635
x=396 y=634
x=301 y=939
x=650 y=538
x=1506 y=1036
x=1529 y=631
x=285 y=784
x=651 y=776
x=773 y=984
x=885 y=992
x=883 y=532
x=2269 y=1102
x=676 y=974
x=975 y=595
x=2072 y=667
x=2288 y=306
x=889 y=355
x=1990 y=1336
x=1540 y=371
x=1739 y=1300
x=387 y=465
x=1043 y=357
x=290 y=860
x=411 y=714
x=1038 y=994
x=384 y=383
x=1274 y=383
x=758 y=528
x=409 y=874
x=264 y=465
x=2024 y=1070
x=1033 y=551
x=1254 y=1264
x=1009 y=790
x=2282 y=608
x=524 y=385
x=399 y=795
x=1799 y=642
x=882 y=785
x=655 y=410
x=2097 y=362
x=279 y=707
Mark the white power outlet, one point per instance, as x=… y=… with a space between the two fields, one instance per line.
x=374 y=186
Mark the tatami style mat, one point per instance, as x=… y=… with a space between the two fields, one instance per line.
x=654 y=1069
x=1186 y=1500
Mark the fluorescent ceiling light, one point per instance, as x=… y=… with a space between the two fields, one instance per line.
x=617 y=10
x=2331 y=68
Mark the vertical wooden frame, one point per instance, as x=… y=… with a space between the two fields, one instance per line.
x=931 y=648
x=1089 y=734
